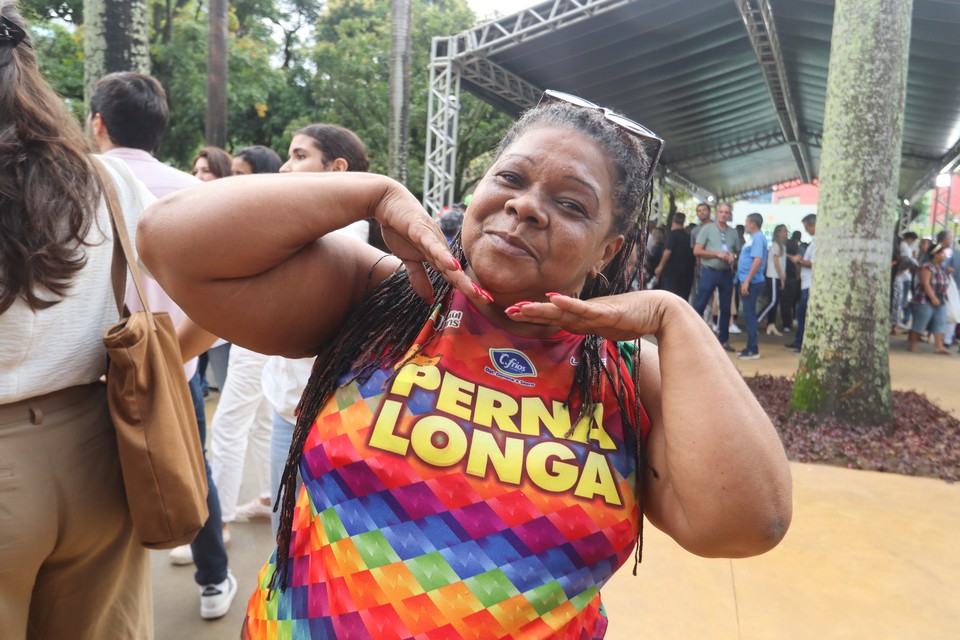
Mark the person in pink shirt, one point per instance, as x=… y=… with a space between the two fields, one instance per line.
x=127 y=120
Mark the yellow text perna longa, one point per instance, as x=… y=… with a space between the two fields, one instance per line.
x=440 y=441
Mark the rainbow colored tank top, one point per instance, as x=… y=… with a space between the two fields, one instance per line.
x=455 y=500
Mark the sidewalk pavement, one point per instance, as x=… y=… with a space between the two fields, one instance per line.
x=868 y=555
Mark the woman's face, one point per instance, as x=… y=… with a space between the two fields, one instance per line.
x=540 y=220
x=303 y=156
x=782 y=234
x=201 y=169
x=241 y=167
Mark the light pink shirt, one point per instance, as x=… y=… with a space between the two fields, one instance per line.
x=161 y=180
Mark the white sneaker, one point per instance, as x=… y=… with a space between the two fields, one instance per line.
x=181 y=556
x=734 y=329
x=215 y=599
x=254 y=510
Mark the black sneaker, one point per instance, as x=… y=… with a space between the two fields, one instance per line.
x=748 y=355
x=726 y=347
x=792 y=347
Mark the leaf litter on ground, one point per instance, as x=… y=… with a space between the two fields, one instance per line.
x=924 y=440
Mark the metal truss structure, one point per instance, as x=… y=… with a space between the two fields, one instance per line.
x=758 y=20
x=727 y=151
x=947 y=164
x=679 y=181
x=465 y=56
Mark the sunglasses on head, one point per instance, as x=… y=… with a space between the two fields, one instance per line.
x=11 y=32
x=651 y=141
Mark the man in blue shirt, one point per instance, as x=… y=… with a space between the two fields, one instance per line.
x=750 y=274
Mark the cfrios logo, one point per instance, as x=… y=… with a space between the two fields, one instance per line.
x=513 y=363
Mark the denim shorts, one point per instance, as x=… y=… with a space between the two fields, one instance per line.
x=927 y=317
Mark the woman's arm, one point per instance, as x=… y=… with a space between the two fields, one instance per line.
x=193 y=339
x=723 y=486
x=252 y=258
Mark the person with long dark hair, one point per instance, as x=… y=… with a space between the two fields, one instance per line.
x=70 y=563
x=776 y=278
x=929 y=296
x=256 y=159
x=324 y=147
x=482 y=434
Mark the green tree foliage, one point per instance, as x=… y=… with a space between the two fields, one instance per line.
x=180 y=64
x=41 y=10
x=60 y=52
x=351 y=85
x=291 y=62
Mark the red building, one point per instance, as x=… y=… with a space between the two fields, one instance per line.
x=793 y=193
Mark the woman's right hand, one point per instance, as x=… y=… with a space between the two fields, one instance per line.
x=413 y=236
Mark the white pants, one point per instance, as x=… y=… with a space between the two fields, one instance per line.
x=242 y=413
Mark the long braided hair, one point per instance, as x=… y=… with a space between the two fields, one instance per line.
x=380 y=331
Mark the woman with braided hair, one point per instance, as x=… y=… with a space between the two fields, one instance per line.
x=482 y=433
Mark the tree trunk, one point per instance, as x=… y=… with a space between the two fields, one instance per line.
x=116 y=38
x=216 y=126
x=400 y=29
x=844 y=368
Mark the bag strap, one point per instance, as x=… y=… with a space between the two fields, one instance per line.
x=122 y=250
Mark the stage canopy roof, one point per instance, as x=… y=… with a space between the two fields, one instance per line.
x=735 y=87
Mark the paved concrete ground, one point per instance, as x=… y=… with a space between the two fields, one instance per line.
x=869 y=555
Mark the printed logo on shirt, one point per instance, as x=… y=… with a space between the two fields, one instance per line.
x=452 y=321
x=574 y=361
x=510 y=364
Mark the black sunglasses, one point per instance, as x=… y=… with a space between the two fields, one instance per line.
x=11 y=32
x=652 y=141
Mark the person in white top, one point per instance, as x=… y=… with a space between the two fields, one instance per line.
x=70 y=563
x=243 y=415
x=316 y=148
x=328 y=147
x=806 y=278
x=776 y=278
x=904 y=267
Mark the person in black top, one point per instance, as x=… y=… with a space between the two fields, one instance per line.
x=675 y=270
x=791 y=289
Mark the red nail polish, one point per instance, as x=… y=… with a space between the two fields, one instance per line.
x=514 y=308
x=522 y=303
x=486 y=294
x=456 y=264
x=553 y=293
x=476 y=288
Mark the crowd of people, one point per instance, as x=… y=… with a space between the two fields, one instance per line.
x=925 y=280
x=427 y=449
x=721 y=269
x=464 y=435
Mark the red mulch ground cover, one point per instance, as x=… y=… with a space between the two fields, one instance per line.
x=925 y=440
